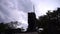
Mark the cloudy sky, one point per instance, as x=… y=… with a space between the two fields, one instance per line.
x=16 y=10
x=42 y=6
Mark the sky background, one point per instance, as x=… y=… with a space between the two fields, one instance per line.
x=42 y=6
x=16 y=10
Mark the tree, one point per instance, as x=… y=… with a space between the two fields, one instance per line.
x=50 y=22
x=3 y=27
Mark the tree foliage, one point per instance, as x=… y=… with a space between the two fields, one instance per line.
x=50 y=22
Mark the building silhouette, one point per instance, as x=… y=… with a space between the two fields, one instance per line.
x=31 y=21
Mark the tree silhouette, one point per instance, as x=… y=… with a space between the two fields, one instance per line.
x=3 y=27
x=50 y=22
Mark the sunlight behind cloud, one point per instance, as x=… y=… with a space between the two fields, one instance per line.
x=42 y=6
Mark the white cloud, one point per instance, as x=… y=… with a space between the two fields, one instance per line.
x=41 y=6
x=15 y=10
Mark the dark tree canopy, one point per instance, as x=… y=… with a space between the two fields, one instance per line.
x=50 y=22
